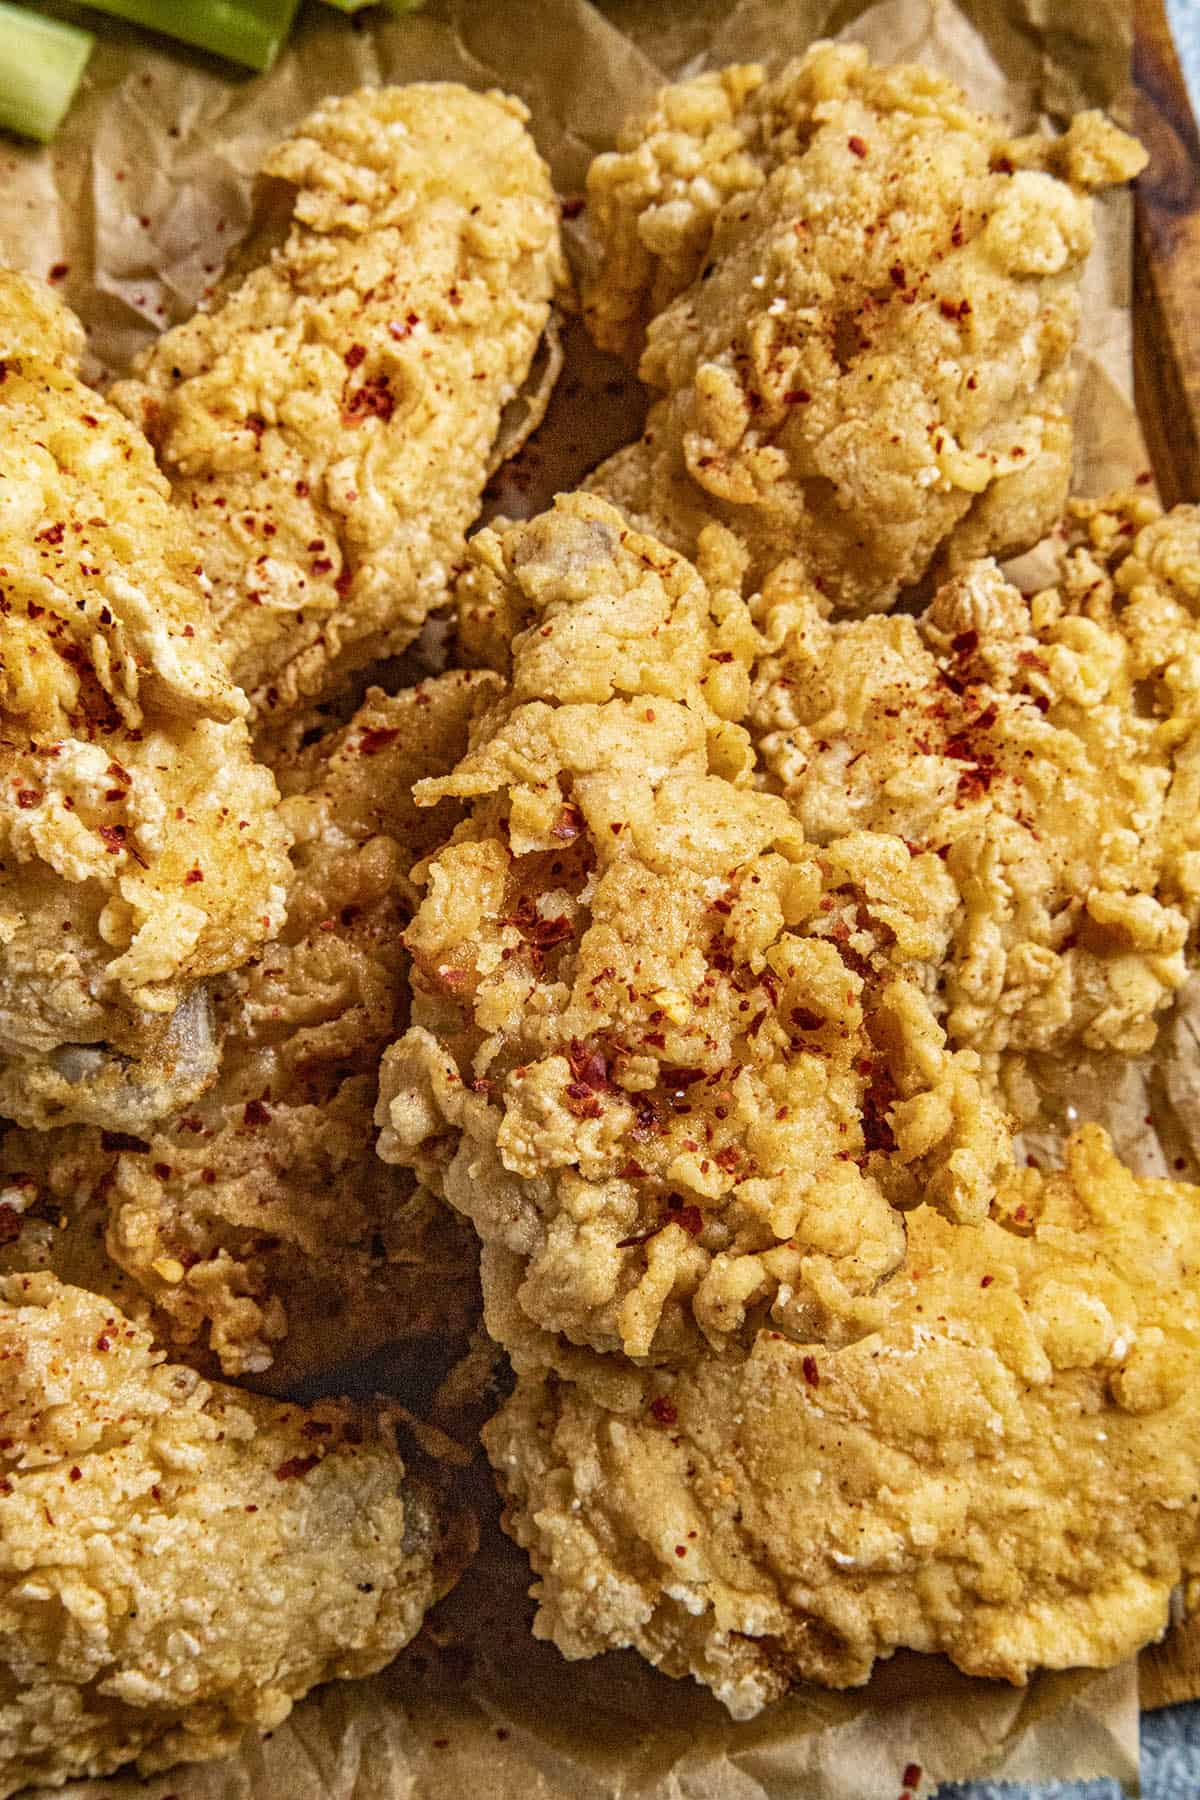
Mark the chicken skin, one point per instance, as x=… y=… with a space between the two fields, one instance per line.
x=327 y=422
x=258 y=1231
x=140 y=854
x=993 y=1457
x=1046 y=750
x=180 y=1562
x=857 y=298
x=679 y=1063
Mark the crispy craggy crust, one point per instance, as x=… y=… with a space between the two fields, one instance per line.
x=1045 y=749
x=993 y=1457
x=857 y=297
x=139 y=848
x=327 y=422
x=259 y=1228
x=678 y=1063
x=180 y=1562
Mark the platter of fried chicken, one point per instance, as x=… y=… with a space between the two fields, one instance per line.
x=627 y=1016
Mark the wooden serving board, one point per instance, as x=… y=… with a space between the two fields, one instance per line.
x=1166 y=309
x=1166 y=326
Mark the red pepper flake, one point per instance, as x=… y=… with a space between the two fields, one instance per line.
x=858 y=148
x=356 y=354
x=27 y=797
x=681 y=1549
x=1002 y=165
x=806 y=1020
x=589 y=1066
x=59 y=272
x=987 y=1281
x=912 y=1774
x=690 y=1217
x=342 y=584
x=568 y=825
x=582 y=1102
x=76 y=1473
x=295 y=1467
x=373 y=398
x=377 y=738
x=811 y=1372
x=52 y=534
x=797 y=397
x=631 y=1171
x=955 y=309
x=255 y=1113
x=163 y=1171
x=114 y=836
x=192 y=876
x=897 y=276
x=572 y=208
x=664 y=1410
x=103 y=1342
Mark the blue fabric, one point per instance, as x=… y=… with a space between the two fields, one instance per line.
x=1171 y=1739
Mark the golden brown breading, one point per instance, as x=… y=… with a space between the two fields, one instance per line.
x=179 y=1562
x=139 y=848
x=677 y=1062
x=861 y=297
x=327 y=423
x=995 y=1457
x=260 y=1226
x=1047 y=750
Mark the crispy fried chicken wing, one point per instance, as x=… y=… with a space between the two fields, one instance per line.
x=994 y=1457
x=680 y=1064
x=259 y=1225
x=1046 y=750
x=859 y=298
x=327 y=422
x=139 y=849
x=180 y=1562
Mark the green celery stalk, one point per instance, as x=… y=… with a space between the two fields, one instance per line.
x=244 y=31
x=394 y=6
x=41 y=61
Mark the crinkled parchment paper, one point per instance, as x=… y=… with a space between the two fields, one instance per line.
x=131 y=215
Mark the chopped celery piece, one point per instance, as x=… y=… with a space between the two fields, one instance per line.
x=244 y=31
x=41 y=61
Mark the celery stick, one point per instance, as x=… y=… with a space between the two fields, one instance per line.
x=41 y=61
x=392 y=6
x=244 y=31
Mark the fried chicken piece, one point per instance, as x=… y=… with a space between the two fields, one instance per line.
x=677 y=1063
x=327 y=422
x=1046 y=750
x=259 y=1226
x=180 y=1562
x=859 y=299
x=994 y=1457
x=139 y=849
